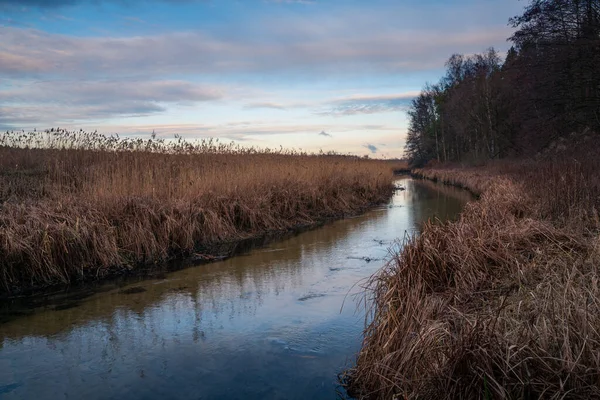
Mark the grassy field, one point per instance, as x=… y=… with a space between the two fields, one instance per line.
x=504 y=302
x=76 y=206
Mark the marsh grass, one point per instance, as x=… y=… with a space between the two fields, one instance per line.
x=502 y=303
x=76 y=205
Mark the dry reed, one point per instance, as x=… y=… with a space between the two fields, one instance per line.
x=76 y=205
x=503 y=303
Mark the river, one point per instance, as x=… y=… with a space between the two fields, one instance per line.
x=279 y=322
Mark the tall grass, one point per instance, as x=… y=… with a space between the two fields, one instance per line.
x=81 y=205
x=504 y=302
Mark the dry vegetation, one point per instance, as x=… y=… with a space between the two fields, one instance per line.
x=77 y=205
x=504 y=302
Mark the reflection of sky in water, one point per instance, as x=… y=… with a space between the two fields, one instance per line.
x=266 y=324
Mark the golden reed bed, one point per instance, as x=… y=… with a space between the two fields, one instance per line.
x=504 y=302
x=76 y=206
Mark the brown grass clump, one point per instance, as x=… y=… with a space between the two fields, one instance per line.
x=503 y=303
x=80 y=205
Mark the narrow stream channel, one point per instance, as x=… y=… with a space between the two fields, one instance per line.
x=265 y=325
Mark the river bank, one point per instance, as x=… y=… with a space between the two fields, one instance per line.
x=504 y=302
x=81 y=206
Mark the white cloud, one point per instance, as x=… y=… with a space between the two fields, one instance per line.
x=27 y=52
x=266 y=104
x=48 y=102
x=367 y=104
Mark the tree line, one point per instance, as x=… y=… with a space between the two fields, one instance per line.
x=546 y=87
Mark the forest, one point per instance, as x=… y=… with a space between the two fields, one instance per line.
x=487 y=106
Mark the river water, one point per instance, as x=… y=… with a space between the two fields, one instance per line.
x=277 y=323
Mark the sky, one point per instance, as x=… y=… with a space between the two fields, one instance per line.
x=331 y=75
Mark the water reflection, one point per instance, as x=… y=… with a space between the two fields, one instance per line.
x=268 y=324
x=432 y=201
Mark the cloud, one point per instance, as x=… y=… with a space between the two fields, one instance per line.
x=362 y=104
x=371 y=147
x=6 y=21
x=275 y=106
x=81 y=91
x=15 y=117
x=48 y=102
x=333 y=51
x=323 y=133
